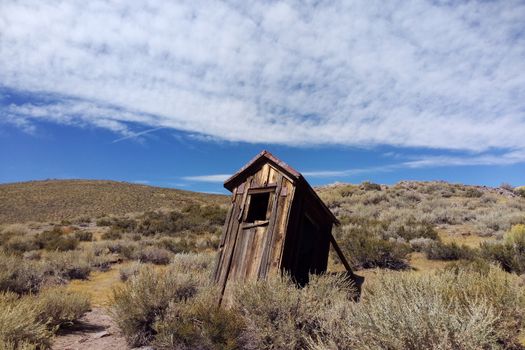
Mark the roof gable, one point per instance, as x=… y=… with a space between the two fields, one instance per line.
x=294 y=175
x=255 y=163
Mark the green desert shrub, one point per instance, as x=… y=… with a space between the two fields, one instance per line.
x=20 y=244
x=145 y=298
x=123 y=224
x=409 y=228
x=198 y=323
x=112 y=234
x=499 y=220
x=195 y=218
x=32 y=255
x=102 y=222
x=370 y=186
x=5 y=236
x=447 y=310
x=477 y=265
x=193 y=263
x=126 y=272
x=278 y=315
x=420 y=244
x=472 y=193
x=21 y=276
x=21 y=345
x=172 y=244
x=56 y=240
x=58 y=307
x=448 y=251
x=19 y=327
x=28 y=322
x=516 y=237
x=368 y=251
x=82 y=220
x=13 y=230
x=125 y=249
x=511 y=253
x=153 y=255
x=83 y=236
x=73 y=265
x=507 y=186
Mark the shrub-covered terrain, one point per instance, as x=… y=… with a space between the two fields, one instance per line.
x=444 y=266
x=381 y=225
x=463 y=307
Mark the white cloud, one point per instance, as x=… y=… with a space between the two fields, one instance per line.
x=508 y=158
x=207 y=178
x=412 y=74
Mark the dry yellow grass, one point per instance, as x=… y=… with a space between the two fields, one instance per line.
x=420 y=263
x=99 y=285
x=462 y=235
x=56 y=200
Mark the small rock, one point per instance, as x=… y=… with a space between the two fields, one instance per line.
x=101 y=334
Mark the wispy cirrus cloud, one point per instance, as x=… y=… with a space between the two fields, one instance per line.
x=417 y=162
x=137 y=134
x=207 y=178
x=445 y=75
x=507 y=158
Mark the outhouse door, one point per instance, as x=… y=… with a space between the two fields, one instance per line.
x=251 y=254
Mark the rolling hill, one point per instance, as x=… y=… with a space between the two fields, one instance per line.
x=55 y=200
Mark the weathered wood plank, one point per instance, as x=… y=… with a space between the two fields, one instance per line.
x=263 y=177
x=238 y=255
x=222 y=241
x=340 y=254
x=267 y=250
x=223 y=279
x=221 y=270
x=282 y=228
x=226 y=237
x=248 y=252
x=255 y=261
x=272 y=175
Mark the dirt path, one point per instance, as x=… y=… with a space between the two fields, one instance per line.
x=95 y=331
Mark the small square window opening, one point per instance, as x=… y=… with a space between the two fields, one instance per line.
x=258 y=207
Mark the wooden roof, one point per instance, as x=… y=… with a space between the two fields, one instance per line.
x=296 y=177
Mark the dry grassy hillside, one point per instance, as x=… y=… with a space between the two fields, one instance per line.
x=55 y=200
x=394 y=226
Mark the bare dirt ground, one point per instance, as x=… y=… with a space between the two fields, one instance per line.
x=95 y=331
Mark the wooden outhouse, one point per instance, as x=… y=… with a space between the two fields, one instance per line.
x=276 y=223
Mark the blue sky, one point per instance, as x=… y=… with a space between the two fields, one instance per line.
x=182 y=94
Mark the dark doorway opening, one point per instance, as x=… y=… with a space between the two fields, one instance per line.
x=306 y=251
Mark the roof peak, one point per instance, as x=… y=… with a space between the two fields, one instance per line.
x=270 y=157
x=284 y=168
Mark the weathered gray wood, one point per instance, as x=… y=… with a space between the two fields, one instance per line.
x=340 y=254
x=223 y=252
x=266 y=260
x=255 y=224
x=253 y=250
x=235 y=231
